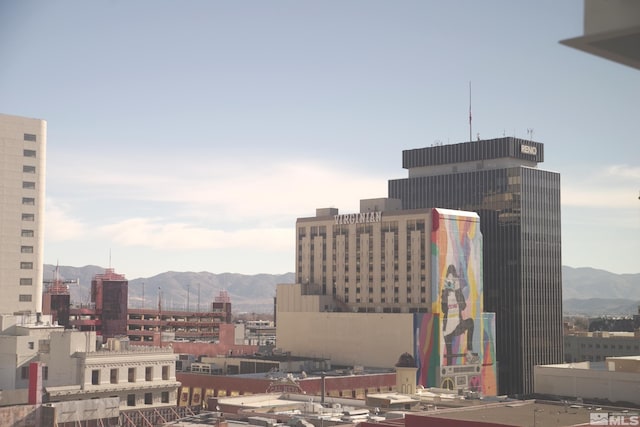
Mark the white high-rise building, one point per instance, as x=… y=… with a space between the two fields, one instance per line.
x=22 y=191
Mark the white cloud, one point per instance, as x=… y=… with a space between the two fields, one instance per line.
x=59 y=225
x=229 y=191
x=212 y=208
x=614 y=186
x=181 y=236
x=623 y=171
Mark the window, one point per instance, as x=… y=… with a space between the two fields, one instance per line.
x=28 y=169
x=31 y=345
x=131 y=400
x=165 y=373
x=165 y=397
x=29 y=185
x=24 y=298
x=148 y=373
x=28 y=217
x=45 y=373
x=24 y=373
x=113 y=376
x=28 y=201
x=95 y=377
x=29 y=137
x=26 y=266
x=27 y=233
x=26 y=281
x=29 y=153
x=132 y=375
x=26 y=249
x=148 y=398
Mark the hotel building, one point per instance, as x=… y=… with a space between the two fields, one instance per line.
x=519 y=209
x=22 y=190
x=383 y=281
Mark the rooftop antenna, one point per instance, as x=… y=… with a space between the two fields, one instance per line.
x=530 y=133
x=470 y=129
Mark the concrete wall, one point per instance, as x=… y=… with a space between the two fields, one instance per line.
x=18 y=416
x=611 y=15
x=289 y=298
x=368 y=339
x=576 y=381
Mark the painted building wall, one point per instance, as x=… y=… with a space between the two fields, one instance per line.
x=457 y=335
x=451 y=338
x=367 y=339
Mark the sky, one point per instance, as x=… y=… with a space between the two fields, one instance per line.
x=189 y=135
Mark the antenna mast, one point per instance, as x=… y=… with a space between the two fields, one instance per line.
x=470 y=129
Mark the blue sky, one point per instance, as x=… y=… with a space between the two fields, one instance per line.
x=190 y=135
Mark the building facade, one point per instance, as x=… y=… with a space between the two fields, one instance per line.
x=597 y=346
x=378 y=260
x=110 y=316
x=22 y=189
x=384 y=280
x=78 y=368
x=519 y=209
x=614 y=380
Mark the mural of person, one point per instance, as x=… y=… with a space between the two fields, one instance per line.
x=453 y=323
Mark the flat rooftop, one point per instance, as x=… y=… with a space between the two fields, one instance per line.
x=524 y=413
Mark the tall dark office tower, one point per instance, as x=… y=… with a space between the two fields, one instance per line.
x=519 y=208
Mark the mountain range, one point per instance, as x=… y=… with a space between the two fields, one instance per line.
x=586 y=291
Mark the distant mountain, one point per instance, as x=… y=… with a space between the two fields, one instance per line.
x=585 y=283
x=586 y=290
x=248 y=293
x=594 y=307
x=592 y=292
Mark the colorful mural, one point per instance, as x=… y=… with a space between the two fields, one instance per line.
x=489 y=374
x=426 y=326
x=463 y=344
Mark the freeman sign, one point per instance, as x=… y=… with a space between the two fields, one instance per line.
x=528 y=149
x=358 y=218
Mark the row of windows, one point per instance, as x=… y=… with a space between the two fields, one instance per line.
x=383 y=290
x=24 y=371
x=131 y=375
x=148 y=398
x=635 y=347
